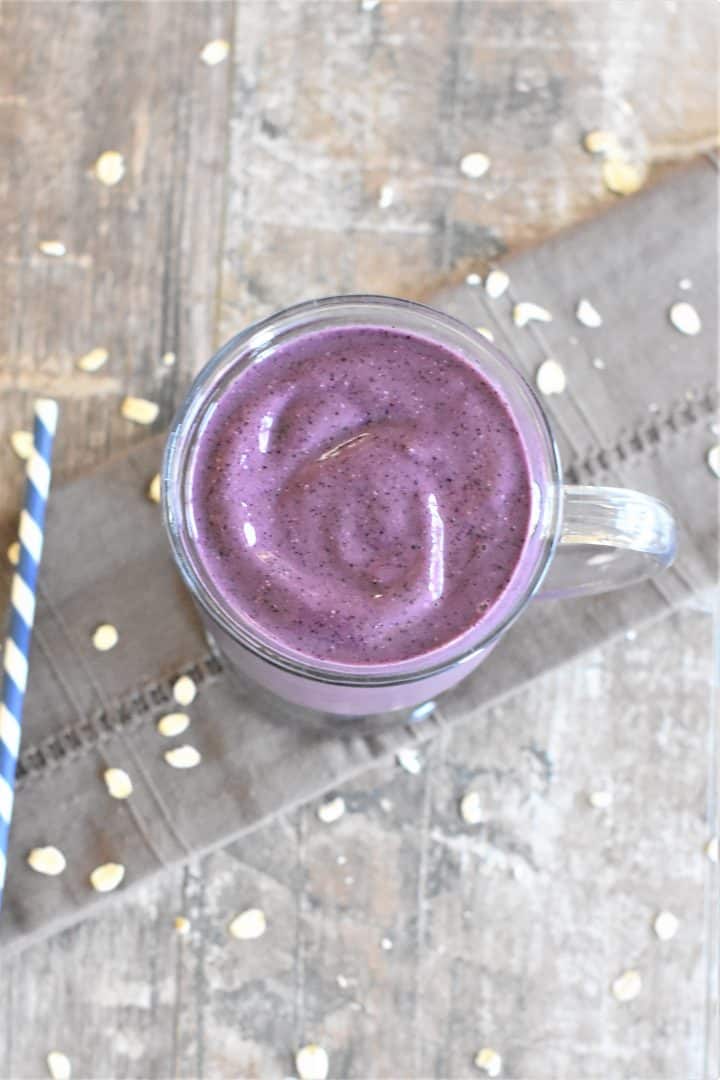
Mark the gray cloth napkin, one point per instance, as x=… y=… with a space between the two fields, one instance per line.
x=644 y=420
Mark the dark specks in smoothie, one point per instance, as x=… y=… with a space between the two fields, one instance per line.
x=370 y=512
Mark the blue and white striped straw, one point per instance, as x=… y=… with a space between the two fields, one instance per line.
x=22 y=612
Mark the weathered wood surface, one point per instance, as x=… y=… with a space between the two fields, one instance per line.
x=506 y=935
x=141 y=273
x=251 y=185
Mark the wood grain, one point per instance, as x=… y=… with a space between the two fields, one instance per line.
x=255 y=184
x=508 y=934
x=333 y=103
x=141 y=272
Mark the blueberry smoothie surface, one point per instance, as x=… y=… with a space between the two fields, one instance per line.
x=361 y=495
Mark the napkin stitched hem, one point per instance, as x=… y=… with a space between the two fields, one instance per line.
x=665 y=426
x=125 y=714
x=121 y=716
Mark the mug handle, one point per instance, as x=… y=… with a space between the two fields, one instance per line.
x=610 y=537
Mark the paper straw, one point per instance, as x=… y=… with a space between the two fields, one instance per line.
x=22 y=612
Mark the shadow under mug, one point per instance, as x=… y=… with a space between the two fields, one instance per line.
x=582 y=540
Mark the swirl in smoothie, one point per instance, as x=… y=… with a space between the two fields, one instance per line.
x=361 y=495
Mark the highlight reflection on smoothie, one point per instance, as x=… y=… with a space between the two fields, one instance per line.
x=363 y=495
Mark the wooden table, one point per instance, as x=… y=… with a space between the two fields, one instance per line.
x=249 y=185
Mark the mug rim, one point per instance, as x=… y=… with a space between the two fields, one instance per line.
x=176 y=458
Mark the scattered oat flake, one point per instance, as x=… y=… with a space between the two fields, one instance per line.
x=627 y=986
x=665 y=925
x=107 y=877
x=153 y=491
x=621 y=177
x=685 y=318
x=168 y=359
x=474 y=165
x=109 y=168
x=471 y=808
x=248 y=925
x=215 y=52
x=550 y=378
x=488 y=1061
x=588 y=315
x=685 y=284
x=182 y=925
x=105 y=637
x=483 y=330
x=184 y=690
x=22 y=444
x=408 y=758
x=140 y=410
x=473 y=279
x=601 y=142
x=386 y=944
x=312 y=1062
x=713 y=460
x=59 y=1066
x=118 y=783
x=183 y=757
x=93 y=360
x=496 y=283
x=331 y=810
x=386 y=196
x=173 y=724
x=711 y=849
x=601 y=800
x=526 y=312
x=55 y=248
x=13 y=553
x=47 y=860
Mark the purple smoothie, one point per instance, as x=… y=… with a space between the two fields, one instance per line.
x=361 y=495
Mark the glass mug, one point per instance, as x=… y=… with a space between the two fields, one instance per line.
x=582 y=540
